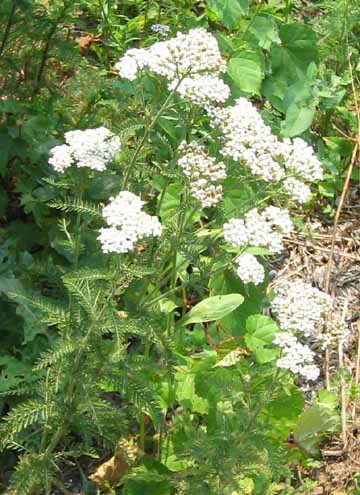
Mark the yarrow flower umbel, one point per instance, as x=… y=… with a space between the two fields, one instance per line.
x=246 y=138
x=301 y=308
x=202 y=90
x=296 y=357
x=191 y=62
x=127 y=224
x=195 y=52
x=204 y=173
x=92 y=148
x=264 y=229
x=249 y=269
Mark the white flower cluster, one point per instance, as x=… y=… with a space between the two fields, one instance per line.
x=196 y=52
x=161 y=29
x=301 y=308
x=297 y=190
x=248 y=139
x=134 y=60
x=335 y=332
x=127 y=224
x=265 y=229
x=203 y=172
x=194 y=56
x=93 y=148
x=296 y=357
x=300 y=159
x=202 y=90
x=249 y=269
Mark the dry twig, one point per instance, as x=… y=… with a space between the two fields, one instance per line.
x=337 y=215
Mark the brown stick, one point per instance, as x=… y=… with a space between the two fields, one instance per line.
x=322 y=249
x=357 y=370
x=343 y=395
x=337 y=215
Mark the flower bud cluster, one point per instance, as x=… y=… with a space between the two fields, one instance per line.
x=204 y=173
x=249 y=269
x=92 y=148
x=296 y=357
x=265 y=229
x=297 y=190
x=127 y=224
x=247 y=138
x=161 y=29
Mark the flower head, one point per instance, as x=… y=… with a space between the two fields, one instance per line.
x=127 y=224
x=204 y=173
x=249 y=269
x=92 y=148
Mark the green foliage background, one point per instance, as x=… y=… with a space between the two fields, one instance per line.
x=227 y=430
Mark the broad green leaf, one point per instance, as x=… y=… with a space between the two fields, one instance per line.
x=224 y=42
x=297 y=50
x=328 y=399
x=264 y=28
x=229 y=12
x=274 y=89
x=298 y=119
x=231 y=358
x=313 y=426
x=246 y=70
x=225 y=282
x=287 y=406
x=238 y=197
x=148 y=478
x=213 y=308
x=186 y=395
x=171 y=205
x=261 y=331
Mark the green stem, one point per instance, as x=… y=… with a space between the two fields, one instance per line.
x=8 y=27
x=45 y=54
x=173 y=277
x=146 y=135
x=142 y=431
x=288 y=8
x=44 y=58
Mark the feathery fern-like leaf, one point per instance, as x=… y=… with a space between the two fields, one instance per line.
x=78 y=206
